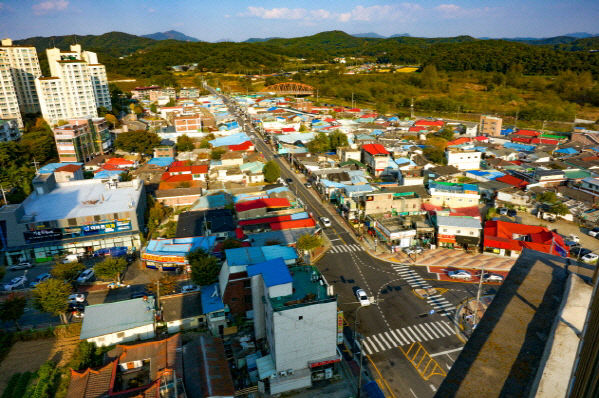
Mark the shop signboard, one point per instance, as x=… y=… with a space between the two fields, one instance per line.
x=339 y=327
x=162 y=259
x=43 y=235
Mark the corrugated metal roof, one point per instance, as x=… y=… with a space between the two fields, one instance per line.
x=103 y=319
x=274 y=272
x=464 y=222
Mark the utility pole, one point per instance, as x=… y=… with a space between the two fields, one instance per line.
x=3 y=195
x=352 y=99
x=35 y=164
x=480 y=287
x=412 y=109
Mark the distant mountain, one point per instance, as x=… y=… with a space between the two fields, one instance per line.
x=400 y=35
x=369 y=35
x=259 y=39
x=170 y=35
x=580 y=35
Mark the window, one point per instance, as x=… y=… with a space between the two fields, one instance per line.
x=458 y=231
x=72 y=222
x=120 y=334
x=299 y=318
x=471 y=232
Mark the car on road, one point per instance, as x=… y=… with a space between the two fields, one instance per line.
x=288 y=180
x=413 y=250
x=502 y=211
x=579 y=252
x=190 y=288
x=325 y=222
x=362 y=297
x=115 y=285
x=590 y=258
x=460 y=274
x=573 y=238
x=308 y=185
x=76 y=309
x=76 y=298
x=140 y=294
x=594 y=232
x=39 y=279
x=86 y=276
x=492 y=278
x=23 y=265
x=512 y=213
x=16 y=283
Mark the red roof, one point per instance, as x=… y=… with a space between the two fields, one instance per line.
x=178 y=178
x=366 y=115
x=338 y=109
x=265 y=220
x=259 y=203
x=472 y=211
x=180 y=163
x=119 y=161
x=417 y=128
x=199 y=169
x=458 y=141
x=511 y=180
x=304 y=223
x=500 y=235
x=423 y=122
x=529 y=133
x=481 y=138
x=69 y=167
x=354 y=110
x=548 y=141
x=375 y=149
x=244 y=146
x=526 y=140
x=288 y=129
x=179 y=169
x=109 y=167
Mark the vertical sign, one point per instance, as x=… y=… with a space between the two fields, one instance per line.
x=339 y=327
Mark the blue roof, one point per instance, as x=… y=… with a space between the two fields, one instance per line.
x=211 y=202
x=180 y=246
x=211 y=300
x=274 y=108
x=358 y=188
x=519 y=147
x=108 y=173
x=300 y=216
x=568 y=151
x=258 y=254
x=162 y=162
x=274 y=272
x=50 y=167
x=233 y=139
x=331 y=184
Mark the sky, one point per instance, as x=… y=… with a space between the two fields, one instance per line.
x=239 y=20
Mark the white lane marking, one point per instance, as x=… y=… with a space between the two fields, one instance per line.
x=431 y=330
x=401 y=341
x=395 y=344
x=366 y=347
x=384 y=340
x=419 y=336
x=446 y=352
x=433 y=388
x=409 y=338
x=413 y=393
x=374 y=346
x=442 y=332
x=424 y=330
x=374 y=338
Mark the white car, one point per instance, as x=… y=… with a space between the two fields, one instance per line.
x=16 y=283
x=16 y=267
x=590 y=258
x=594 y=232
x=40 y=279
x=460 y=274
x=325 y=222
x=190 y=288
x=85 y=276
x=573 y=238
x=362 y=297
x=492 y=278
x=77 y=298
x=413 y=250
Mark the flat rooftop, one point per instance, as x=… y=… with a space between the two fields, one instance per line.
x=503 y=356
x=306 y=289
x=83 y=198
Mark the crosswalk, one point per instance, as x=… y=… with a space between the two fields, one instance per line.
x=441 y=305
x=407 y=335
x=346 y=248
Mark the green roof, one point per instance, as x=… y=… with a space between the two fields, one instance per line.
x=576 y=174
x=306 y=289
x=352 y=161
x=555 y=137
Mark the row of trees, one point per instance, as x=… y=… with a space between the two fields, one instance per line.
x=323 y=142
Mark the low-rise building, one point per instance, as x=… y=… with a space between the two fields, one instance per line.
x=490 y=125
x=171 y=254
x=463 y=158
x=453 y=195
x=376 y=157
x=509 y=239
x=458 y=232
x=80 y=140
x=119 y=322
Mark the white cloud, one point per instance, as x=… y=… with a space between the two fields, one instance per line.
x=49 y=6
x=277 y=13
x=455 y=11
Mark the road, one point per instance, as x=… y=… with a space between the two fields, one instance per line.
x=397 y=318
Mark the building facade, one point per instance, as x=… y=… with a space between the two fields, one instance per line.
x=82 y=139
x=24 y=68
x=9 y=130
x=463 y=159
x=490 y=125
x=9 y=104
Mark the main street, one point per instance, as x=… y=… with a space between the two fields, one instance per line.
x=397 y=318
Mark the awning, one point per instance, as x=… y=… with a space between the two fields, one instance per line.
x=266 y=367
x=467 y=240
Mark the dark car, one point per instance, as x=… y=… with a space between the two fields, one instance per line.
x=288 y=180
x=512 y=213
x=141 y=294
x=579 y=251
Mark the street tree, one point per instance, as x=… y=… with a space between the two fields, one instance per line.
x=559 y=209
x=271 y=171
x=12 y=309
x=111 y=268
x=184 y=143
x=168 y=285
x=67 y=271
x=337 y=139
x=137 y=141
x=204 y=267
x=308 y=242
x=51 y=296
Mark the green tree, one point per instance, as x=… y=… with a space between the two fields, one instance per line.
x=205 y=144
x=52 y=296
x=560 y=209
x=86 y=355
x=320 y=143
x=137 y=141
x=434 y=154
x=429 y=77
x=12 y=309
x=204 y=267
x=231 y=243
x=169 y=284
x=153 y=108
x=110 y=118
x=446 y=134
x=308 y=242
x=111 y=268
x=217 y=153
x=337 y=139
x=67 y=271
x=547 y=197
x=185 y=143
x=271 y=171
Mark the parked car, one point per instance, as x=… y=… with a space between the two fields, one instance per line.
x=86 y=276
x=288 y=180
x=76 y=298
x=413 y=250
x=362 y=297
x=502 y=211
x=512 y=213
x=40 y=279
x=573 y=238
x=594 y=232
x=492 y=278
x=579 y=252
x=590 y=258
x=460 y=274
x=190 y=288
x=140 y=294
x=23 y=265
x=308 y=185
x=325 y=222
x=16 y=283
x=70 y=258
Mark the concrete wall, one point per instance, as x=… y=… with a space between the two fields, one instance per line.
x=453 y=200
x=139 y=333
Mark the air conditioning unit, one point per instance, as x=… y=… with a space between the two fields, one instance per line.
x=283 y=373
x=273 y=376
x=289 y=372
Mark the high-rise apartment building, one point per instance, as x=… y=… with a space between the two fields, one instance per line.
x=82 y=139
x=24 y=69
x=9 y=130
x=9 y=104
x=77 y=87
x=490 y=125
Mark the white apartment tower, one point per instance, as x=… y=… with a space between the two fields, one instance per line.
x=9 y=104
x=77 y=87
x=24 y=69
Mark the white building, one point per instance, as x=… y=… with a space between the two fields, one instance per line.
x=9 y=104
x=77 y=87
x=24 y=68
x=463 y=158
x=9 y=130
x=119 y=322
x=296 y=312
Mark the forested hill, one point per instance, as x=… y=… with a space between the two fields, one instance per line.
x=146 y=57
